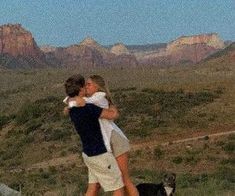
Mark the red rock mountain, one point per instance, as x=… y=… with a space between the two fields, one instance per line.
x=226 y=55
x=88 y=54
x=186 y=49
x=119 y=49
x=19 y=47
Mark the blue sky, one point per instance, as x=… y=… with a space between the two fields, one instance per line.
x=66 y=22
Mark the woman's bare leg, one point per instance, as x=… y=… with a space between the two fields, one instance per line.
x=130 y=188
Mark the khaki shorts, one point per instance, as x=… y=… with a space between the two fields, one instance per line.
x=119 y=144
x=103 y=169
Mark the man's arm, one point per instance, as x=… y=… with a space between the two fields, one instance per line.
x=111 y=113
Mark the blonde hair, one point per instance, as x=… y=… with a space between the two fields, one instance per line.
x=102 y=86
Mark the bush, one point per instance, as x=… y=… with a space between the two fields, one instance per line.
x=225 y=174
x=45 y=110
x=192 y=159
x=45 y=174
x=32 y=126
x=158 y=153
x=228 y=161
x=52 y=169
x=3 y=120
x=28 y=112
x=177 y=160
x=229 y=147
x=57 y=134
x=189 y=180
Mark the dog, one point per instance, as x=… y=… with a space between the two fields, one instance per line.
x=165 y=188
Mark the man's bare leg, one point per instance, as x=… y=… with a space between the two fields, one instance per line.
x=92 y=189
x=119 y=192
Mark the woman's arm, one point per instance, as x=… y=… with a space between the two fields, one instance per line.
x=111 y=113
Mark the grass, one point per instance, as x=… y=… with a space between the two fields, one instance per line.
x=150 y=109
x=152 y=102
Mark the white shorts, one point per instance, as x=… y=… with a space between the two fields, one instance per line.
x=103 y=169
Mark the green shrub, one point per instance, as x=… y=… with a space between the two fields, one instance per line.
x=47 y=110
x=15 y=132
x=231 y=137
x=28 y=112
x=158 y=153
x=73 y=149
x=226 y=174
x=3 y=120
x=57 y=134
x=177 y=160
x=229 y=147
x=9 y=154
x=45 y=174
x=52 y=169
x=63 y=153
x=28 y=139
x=228 y=161
x=189 y=180
x=32 y=126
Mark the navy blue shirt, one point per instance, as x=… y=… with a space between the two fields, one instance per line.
x=86 y=123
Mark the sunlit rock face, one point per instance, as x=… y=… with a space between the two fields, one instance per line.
x=186 y=49
x=15 y=41
x=18 y=48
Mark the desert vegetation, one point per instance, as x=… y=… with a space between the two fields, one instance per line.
x=156 y=106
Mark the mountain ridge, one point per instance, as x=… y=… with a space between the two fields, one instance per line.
x=18 y=46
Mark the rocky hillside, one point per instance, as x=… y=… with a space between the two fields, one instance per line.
x=212 y=40
x=185 y=49
x=119 y=49
x=18 y=48
x=89 y=54
x=228 y=54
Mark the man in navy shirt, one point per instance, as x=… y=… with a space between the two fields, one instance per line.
x=102 y=165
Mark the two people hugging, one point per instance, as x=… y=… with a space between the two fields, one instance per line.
x=104 y=146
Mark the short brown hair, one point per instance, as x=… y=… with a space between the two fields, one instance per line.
x=73 y=85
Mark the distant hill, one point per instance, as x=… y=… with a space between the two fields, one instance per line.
x=18 y=49
x=229 y=51
x=142 y=48
x=183 y=50
x=89 y=54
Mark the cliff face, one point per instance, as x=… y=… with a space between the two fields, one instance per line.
x=19 y=46
x=186 y=49
x=77 y=55
x=18 y=49
x=119 y=49
x=211 y=40
x=15 y=41
x=88 y=54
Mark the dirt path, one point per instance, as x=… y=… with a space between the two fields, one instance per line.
x=152 y=144
x=74 y=158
